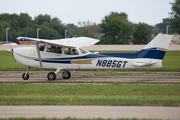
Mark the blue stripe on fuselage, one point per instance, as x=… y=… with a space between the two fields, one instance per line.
x=144 y=53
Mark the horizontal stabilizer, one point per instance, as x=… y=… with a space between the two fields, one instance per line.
x=142 y=63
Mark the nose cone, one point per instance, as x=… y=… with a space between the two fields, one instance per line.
x=22 y=55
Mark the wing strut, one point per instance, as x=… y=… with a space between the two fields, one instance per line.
x=39 y=56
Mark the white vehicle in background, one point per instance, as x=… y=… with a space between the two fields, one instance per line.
x=67 y=54
x=10 y=44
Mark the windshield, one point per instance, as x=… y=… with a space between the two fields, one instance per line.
x=83 y=51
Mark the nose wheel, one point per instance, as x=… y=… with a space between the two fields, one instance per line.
x=25 y=75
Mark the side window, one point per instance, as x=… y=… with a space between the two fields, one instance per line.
x=67 y=51
x=54 y=49
x=41 y=46
x=70 y=51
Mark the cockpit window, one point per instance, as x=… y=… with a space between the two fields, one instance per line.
x=83 y=51
x=54 y=49
x=41 y=46
x=70 y=51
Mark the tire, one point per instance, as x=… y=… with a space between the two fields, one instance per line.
x=68 y=75
x=51 y=76
x=25 y=77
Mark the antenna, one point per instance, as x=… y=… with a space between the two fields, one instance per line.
x=68 y=36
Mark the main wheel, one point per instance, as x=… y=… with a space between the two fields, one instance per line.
x=25 y=76
x=66 y=76
x=51 y=76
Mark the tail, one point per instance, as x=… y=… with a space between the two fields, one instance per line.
x=153 y=53
x=160 y=42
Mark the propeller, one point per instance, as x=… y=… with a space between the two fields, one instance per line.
x=11 y=50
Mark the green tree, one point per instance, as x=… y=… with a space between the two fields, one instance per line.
x=73 y=28
x=141 y=34
x=161 y=27
x=40 y=19
x=23 y=25
x=89 y=29
x=48 y=33
x=56 y=24
x=3 y=26
x=85 y=32
x=24 y=20
x=30 y=31
x=175 y=22
x=149 y=28
x=116 y=28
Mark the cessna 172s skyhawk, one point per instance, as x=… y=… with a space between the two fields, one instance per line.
x=67 y=54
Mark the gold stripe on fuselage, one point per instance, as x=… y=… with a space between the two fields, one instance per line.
x=84 y=61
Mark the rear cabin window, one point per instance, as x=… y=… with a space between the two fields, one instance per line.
x=71 y=51
x=54 y=49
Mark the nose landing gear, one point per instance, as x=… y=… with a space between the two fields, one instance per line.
x=25 y=75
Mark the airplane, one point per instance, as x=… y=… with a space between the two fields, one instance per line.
x=68 y=54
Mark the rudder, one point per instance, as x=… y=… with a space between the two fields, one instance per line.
x=161 y=42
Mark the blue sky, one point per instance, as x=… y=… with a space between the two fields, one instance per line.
x=72 y=11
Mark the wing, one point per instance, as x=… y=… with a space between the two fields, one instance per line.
x=69 y=42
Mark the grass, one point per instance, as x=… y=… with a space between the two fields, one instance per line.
x=170 y=62
x=116 y=94
x=72 y=119
x=7 y=63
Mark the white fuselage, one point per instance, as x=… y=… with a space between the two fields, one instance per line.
x=28 y=56
x=66 y=54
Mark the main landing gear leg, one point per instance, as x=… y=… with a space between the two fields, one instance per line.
x=25 y=75
x=66 y=74
x=52 y=75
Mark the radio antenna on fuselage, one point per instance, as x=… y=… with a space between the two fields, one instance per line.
x=68 y=36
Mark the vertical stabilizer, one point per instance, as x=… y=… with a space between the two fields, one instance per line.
x=160 y=42
x=153 y=53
